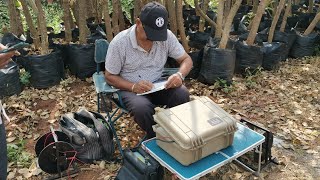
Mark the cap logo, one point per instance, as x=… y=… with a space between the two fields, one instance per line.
x=160 y=21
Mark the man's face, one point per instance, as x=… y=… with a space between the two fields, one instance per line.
x=140 y=29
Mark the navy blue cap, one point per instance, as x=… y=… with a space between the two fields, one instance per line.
x=154 y=18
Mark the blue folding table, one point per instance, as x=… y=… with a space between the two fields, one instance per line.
x=244 y=141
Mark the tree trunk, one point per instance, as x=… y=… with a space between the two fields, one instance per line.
x=274 y=6
x=172 y=17
x=219 y=19
x=228 y=24
x=180 y=24
x=227 y=7
x=256 y=21
x=312 y=25
x=137 y=9
x=310 y=8
x=33 y=31
x=42 y=27
x=144 y=2
x=275 y=20
x=121 y=17
x=82 y=22
x=15 y=20
x=159 y=1
x=89 y=9
x=75 y=10
x=255 y=6
x=98 y=5
x=285 y=16
x=198 y=9
x=202 y=20
x=115 y=17
x=107 y=19
x=66 y=19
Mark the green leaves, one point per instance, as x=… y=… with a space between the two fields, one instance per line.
x=24 y=77
x=17 y=154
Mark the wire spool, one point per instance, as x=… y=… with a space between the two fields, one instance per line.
x=55 y=153
x=47 y=139
x=56 y=157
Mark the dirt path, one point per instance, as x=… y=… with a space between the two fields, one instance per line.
x=286 y=101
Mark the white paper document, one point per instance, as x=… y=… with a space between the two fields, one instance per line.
x=157 y=86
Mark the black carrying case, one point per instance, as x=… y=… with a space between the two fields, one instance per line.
x=139 y=165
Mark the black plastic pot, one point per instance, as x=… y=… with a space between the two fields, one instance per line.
x=292 y=36
x=80 y=59
x=272 y=55
x=198 y=39
x=45 y=70
x=197 y=60
x=9 y=80
x=217 y=64
x=248 y=58
x=304 y=45
x=287 y=38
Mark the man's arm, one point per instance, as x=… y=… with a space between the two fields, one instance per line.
x=120 y=83
x=5 y=57
x=186 y=64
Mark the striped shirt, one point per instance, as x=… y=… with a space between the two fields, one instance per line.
x=127 y=59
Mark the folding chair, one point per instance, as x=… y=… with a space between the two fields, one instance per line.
x=107 y=94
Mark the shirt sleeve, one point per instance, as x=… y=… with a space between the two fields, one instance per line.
x=114 y=58
x=176 y=50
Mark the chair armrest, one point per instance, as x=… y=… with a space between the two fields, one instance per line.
x=101 y=84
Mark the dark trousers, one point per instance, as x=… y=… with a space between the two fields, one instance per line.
x=3 y=153
x=142 y=107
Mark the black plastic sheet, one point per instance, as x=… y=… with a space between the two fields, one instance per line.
x=287 y=38
x=248 y=57
x=304 y=45
x=236 y=22
x=81 y=60
x=258 y=40
x=97 y=34
x=292 y=36
x=197 y=60
x=292 y=21
x=217 y=64
x=305 y=19
x=272 y=55
x=63 y=50
x=9 y=80
x=10 y=39
x=45 y=70
x=198 y=39
x=244 y=9
x=278 y=36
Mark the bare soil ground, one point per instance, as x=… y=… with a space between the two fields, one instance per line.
x=286 y=101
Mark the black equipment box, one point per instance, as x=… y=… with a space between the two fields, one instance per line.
x=139 y=165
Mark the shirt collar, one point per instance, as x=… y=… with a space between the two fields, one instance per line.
x=133 y=37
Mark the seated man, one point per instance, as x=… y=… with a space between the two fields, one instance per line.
x=136 y=58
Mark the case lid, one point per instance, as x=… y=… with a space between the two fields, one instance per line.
x=194 y=123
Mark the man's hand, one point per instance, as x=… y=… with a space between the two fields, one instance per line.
x=5 y=57
x=142 y=87
x=174 y=81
